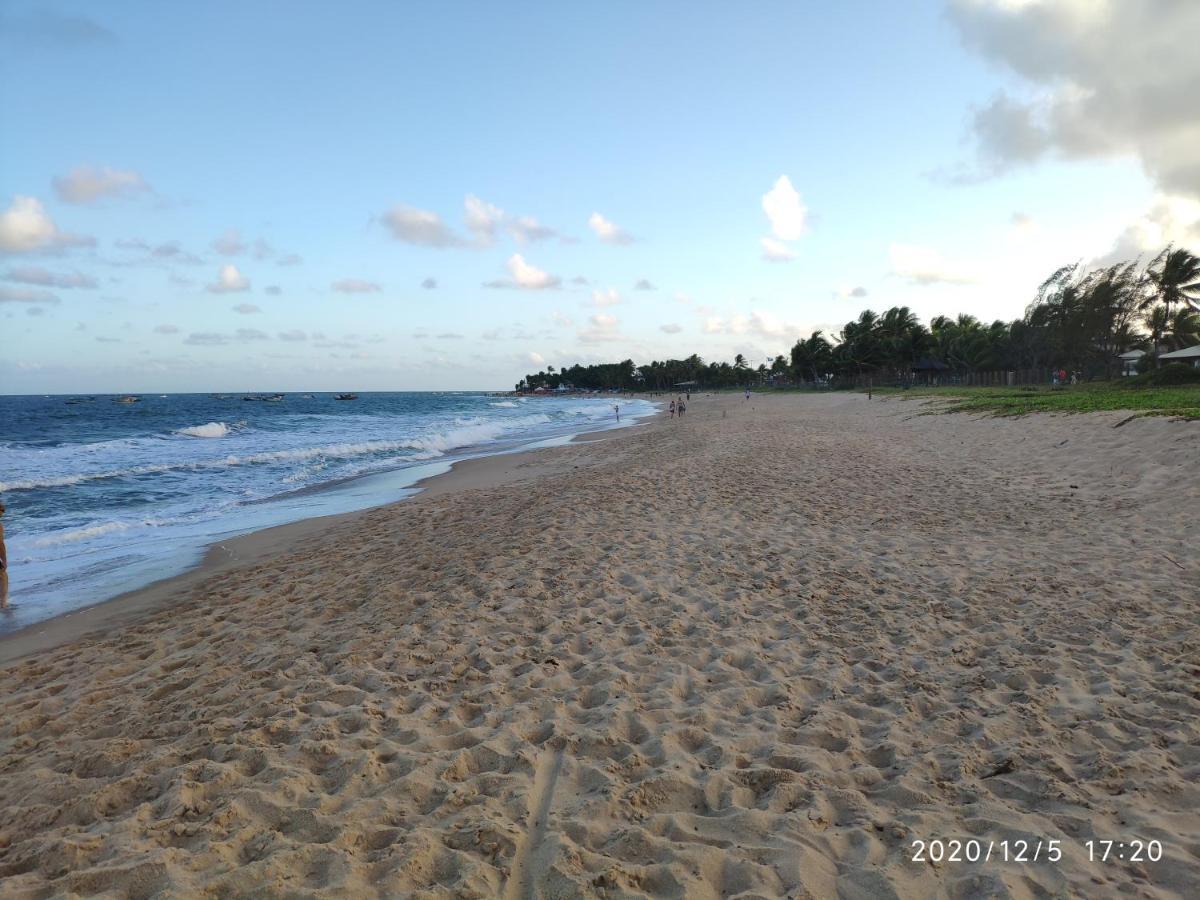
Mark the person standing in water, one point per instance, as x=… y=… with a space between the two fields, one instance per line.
x=3 y=564
x=617 y=410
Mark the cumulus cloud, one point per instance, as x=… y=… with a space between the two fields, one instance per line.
x=25 y=227
x=355 y=286
x=482 y=219
x=229 y=281
x=246 y=309
x=45 y=278
x=525 y=276
x=670 y=328
x=166 y=329
x=786 y=213
x=644 y=284
x=252 y=334
x=206 y=339
x=758 y=322
x=601 y=328
x=230 y=243
x=429 y=284
x=1169 y=220
x=528 y=230
x=421 y=227
x=561 y=319
x=609 y=232
x=609 y=297
x=1103 y=79
x=295 y=335
x=776 y=251
x=924 y=265
x=846 y=292
x=86 y=185
x=535 y=358
x=25 y=295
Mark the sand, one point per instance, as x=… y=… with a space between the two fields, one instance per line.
x=754 y=653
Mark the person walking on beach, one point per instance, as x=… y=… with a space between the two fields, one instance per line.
x=3 y=564
x=672 y=409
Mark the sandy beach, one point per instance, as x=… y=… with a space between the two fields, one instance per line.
x=754 y=653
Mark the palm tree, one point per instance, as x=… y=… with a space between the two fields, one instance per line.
x=811 y=356
x=1175 y=276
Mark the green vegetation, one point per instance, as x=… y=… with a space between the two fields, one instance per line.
x=1141 y=399
x=1080 y=321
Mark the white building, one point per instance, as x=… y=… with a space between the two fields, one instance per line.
x=1189 y=356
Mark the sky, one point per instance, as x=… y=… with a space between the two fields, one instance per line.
x=381 y=196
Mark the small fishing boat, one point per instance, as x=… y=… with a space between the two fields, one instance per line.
x=346 y=397
x=129 y=399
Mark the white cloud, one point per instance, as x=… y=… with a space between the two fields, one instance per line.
x=230 y=243
x=1115 y=78
x=85 y=184
x=45 y=278
x=528 y=230
x=293 y=336
x=246 y=309
x=166 y=329
x=561 y=320
x=846 y=292
x=355 y=286
x=776 y=251
x=760 y=323
x=601 y=328
x=608 y=231
x=229 y=281
x=25 y=295
x=1170 y=220
x=429 y=284
x=924 y=265
x=525 y=276
x=609 y=297
x=786 y=213
x=645 y=284
x=482 y=219
x=535 y=359
x=670 y=328
x=25 y=227
x=420 y=226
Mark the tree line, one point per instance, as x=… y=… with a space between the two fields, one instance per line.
x=1080 y=319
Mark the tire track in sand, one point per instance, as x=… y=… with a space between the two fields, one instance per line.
x=531 y=861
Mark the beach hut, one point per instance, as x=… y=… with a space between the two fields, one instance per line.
x=1189 y=356
x=1129 y=361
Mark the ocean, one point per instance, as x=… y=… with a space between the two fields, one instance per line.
x=104 y=496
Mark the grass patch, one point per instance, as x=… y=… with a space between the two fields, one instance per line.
x=1179 y=400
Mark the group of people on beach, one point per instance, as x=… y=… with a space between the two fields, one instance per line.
x=679 y=406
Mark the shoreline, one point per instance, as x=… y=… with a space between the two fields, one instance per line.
x=128 y=607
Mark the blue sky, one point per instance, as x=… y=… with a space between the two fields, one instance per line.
x=251 y=196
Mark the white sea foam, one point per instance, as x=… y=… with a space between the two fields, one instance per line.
x=506 y=403
x=211 y=430
x=82 y=534
x=428 y=446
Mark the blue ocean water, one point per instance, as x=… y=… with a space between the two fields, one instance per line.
x=105 y=496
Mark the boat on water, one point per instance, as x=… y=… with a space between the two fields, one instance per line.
x=264 y=398
x=346 y=397
x=129 y=399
